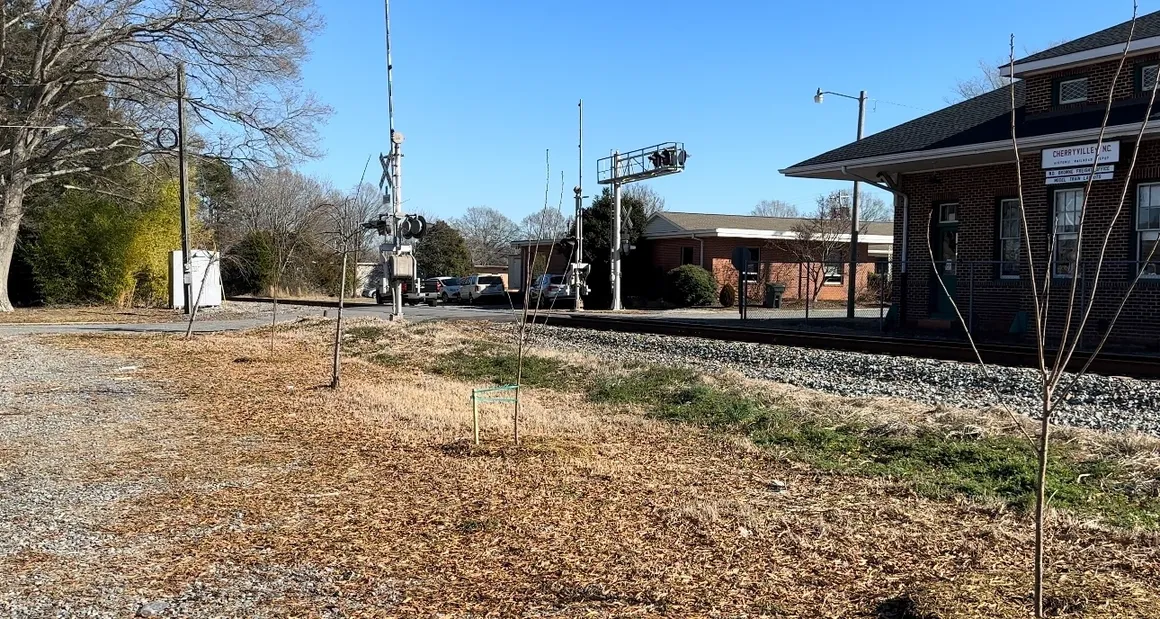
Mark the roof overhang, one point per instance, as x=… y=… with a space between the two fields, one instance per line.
x=971 y=155
x=1023 y=69
x=545 y=243
x=768 y=235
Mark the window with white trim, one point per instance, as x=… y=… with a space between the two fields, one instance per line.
x=1068 y=205
x=1148 y=228
x=832 y=274
x=1010 y=238
x=1148 y=77
x=1073 y=91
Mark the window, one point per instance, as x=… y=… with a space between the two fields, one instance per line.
x=1068 y=204
x=832 y=274
x=1010 y=237
x=1073 y=91
x=1148 y=77
x=754 y=258
x=1148 y=228
x=686 y=255
x=948 y=213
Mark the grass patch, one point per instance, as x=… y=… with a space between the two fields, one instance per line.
x=387 y=359
x=365 y=333
x=486 y=364
x=938 y=466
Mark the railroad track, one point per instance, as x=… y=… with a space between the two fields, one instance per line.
x=1107 y=364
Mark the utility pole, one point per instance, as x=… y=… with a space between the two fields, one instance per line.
x=183 y=188
x=616 y=224
x=579 y=213
x=852 y=284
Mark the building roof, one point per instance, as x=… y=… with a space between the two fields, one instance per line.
x=979 y=119
x=982 y=120
x=671 y=224
x=1146 y=26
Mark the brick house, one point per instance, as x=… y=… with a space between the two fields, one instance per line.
x=957 y=194
x=774 y=243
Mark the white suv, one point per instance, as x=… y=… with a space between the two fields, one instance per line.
x=482 y=288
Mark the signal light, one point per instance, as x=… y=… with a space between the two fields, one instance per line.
x=413 y=227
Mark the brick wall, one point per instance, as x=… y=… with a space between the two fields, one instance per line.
x=779 y=265
x=1100 y=75
x=996 y=301
x=557 y=265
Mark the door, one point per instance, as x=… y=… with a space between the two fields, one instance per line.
x=946 y=251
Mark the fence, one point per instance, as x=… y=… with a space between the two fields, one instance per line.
x=996 y=300
x=811 y=290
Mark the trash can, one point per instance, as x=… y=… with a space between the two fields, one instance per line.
x=773 y=294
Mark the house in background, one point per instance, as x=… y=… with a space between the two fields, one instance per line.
x=806 y=255
x=957 y=191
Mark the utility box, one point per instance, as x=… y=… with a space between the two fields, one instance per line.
x=205 y=279
x=401 y=266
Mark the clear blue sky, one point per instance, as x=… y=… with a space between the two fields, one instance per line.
x=483 y=87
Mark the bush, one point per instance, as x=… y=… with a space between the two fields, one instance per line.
x=92 y=248
x=690 y=285
x=249 y=267
x=728 y=296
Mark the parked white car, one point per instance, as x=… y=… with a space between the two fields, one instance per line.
x=482 y=289
x=450 y=290
x=549 y=290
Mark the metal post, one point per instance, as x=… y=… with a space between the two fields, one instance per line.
x=183 y=185
x=475 y=416
x=580 y=209
x=809 y=289
x=396 y=169
x=616 y=224
x=578 y=258
x=852 y=286
x=396 y=195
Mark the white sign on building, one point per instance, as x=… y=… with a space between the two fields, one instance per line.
x=1081 y=177
x=1083 y=154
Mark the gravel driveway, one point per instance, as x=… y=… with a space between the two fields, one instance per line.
x=66 y=420
x=1102 y=403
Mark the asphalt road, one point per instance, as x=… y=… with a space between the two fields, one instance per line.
x=413 y=314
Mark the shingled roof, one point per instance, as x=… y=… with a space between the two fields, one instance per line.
x=1146 y=26
x=983 y=119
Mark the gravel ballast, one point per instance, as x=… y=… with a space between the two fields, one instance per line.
x=1097 y=402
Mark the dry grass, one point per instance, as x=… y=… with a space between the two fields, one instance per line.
x=108 y=314
x=600 y=512
x=87 y=314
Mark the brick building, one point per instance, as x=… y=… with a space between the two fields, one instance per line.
x=777 y=245
x=957 y=192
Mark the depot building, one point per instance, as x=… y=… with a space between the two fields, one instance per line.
x=958 y=233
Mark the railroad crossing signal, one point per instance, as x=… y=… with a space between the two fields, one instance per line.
x=413 y=227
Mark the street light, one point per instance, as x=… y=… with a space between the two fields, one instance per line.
x=851 y=287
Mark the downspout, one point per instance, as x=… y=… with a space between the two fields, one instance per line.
x=701 y=254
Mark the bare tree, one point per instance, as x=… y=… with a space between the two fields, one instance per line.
x=346 y=231
x=1055 y=384
x=775 y=208
x=820 y=243
x=87 y=85
x=987 y=79
x=488 y=232
x=651 y=201
x=288 y=210
x=548 y=223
